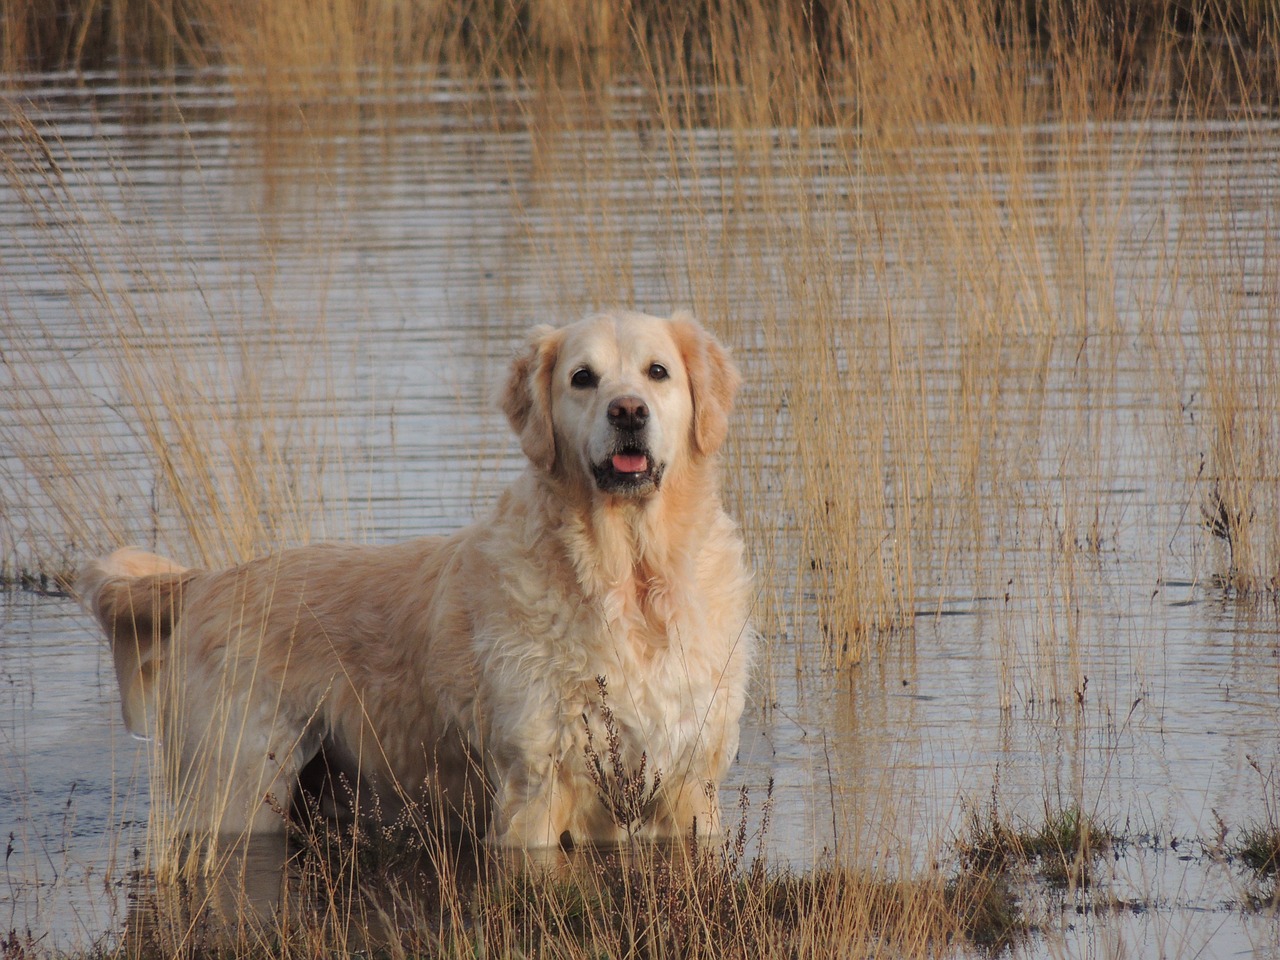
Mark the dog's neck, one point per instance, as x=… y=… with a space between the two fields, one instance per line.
x=638 y=556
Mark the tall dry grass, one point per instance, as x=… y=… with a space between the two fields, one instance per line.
x=916 y=222
x=918 y=231
x=153 y=415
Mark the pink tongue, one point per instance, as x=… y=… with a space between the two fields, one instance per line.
x=630 y=462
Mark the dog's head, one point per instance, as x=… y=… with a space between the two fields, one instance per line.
x=620 y=399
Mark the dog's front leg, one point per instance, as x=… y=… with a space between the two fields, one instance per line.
x=532 y=805
x=693 y=806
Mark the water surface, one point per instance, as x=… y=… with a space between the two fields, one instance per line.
x=372 y=278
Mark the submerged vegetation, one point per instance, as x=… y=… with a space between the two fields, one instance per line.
x=936 y=231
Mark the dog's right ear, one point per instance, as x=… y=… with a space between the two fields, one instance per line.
x=527 y=398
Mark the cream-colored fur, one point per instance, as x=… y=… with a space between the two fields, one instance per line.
x=463 y=670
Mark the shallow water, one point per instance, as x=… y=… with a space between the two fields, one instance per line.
x=384 y=268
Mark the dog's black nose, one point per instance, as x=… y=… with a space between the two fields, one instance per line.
x=628 y=413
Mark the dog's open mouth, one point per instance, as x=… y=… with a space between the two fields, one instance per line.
x=629 y=472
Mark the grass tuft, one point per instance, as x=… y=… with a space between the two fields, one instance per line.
x=1061 y=849
x=1257 y=845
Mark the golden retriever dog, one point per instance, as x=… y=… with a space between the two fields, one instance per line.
x=485 y=672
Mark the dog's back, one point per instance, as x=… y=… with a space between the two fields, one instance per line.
x=136 y=596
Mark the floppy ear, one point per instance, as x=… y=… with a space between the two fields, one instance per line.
x=527 y=398
x=713 y=381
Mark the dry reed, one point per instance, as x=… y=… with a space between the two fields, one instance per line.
x=914 y=219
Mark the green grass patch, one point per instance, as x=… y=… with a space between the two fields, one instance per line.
x=1061 y=850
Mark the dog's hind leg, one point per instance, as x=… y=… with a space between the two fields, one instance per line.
x=233 y=764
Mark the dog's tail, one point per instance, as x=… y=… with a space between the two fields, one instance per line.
x=136 y=596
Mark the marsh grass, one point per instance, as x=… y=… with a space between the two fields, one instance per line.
x=1258 y=847
x=1061 y=849
x=922 y=240
x=1257 y=843
x=416 y=893
x=912 y=219
x=219 y=432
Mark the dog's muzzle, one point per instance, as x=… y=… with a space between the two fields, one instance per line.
x=630 y=469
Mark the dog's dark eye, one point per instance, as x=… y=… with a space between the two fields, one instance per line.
x=583 y=378
x=657 y=372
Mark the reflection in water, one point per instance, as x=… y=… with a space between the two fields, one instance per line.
x=363 y=288
x=383 y=891
x=243 y=896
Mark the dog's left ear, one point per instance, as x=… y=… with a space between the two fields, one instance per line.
x=527 y=398
x=713 y=381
